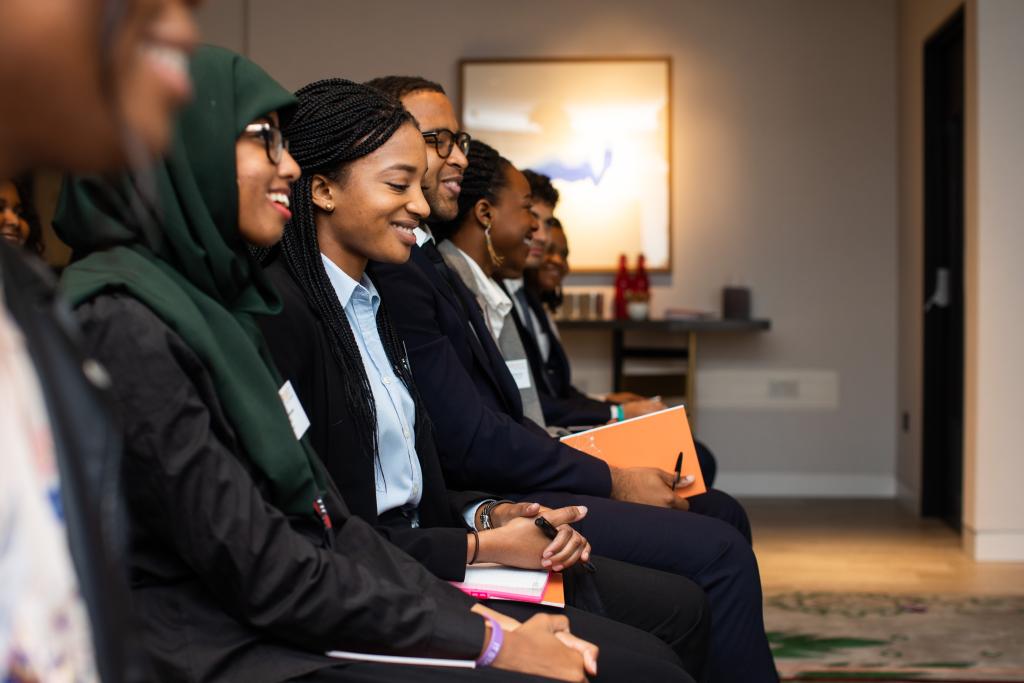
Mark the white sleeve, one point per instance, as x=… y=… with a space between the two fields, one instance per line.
x=469 y=512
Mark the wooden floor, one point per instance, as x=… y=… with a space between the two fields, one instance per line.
x=866 y=545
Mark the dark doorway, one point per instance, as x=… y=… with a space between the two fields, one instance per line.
x=942 y=421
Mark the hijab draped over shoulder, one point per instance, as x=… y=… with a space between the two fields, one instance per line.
x=185 y=259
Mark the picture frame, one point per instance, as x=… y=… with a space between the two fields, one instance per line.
x=601 y=128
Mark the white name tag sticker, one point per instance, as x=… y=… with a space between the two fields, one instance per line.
x=520 y=370
x=296 y=414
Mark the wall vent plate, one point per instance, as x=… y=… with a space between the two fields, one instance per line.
x=782 y=389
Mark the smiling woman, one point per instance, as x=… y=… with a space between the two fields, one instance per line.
x=19 y=221
x=265 y=173
x=360 y=198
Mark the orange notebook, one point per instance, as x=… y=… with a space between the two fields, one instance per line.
x=653 y=440
x=554 y=594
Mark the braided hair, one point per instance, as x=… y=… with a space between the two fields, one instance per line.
x=337 y=122
x=485 y=176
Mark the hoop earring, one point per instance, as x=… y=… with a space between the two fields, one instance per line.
x=495 y=259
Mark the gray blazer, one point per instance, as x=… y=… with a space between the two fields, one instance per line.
x=509 y=342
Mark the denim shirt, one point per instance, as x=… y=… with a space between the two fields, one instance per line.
x=398 y=474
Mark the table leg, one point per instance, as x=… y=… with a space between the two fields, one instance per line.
x=617 y=359
x=691 y=375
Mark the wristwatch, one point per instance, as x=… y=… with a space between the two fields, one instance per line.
x=486 y=510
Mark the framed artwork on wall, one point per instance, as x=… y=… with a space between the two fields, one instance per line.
x=601 y=128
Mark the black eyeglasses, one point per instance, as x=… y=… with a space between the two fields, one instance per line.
x=444 y=141
x=273 y=140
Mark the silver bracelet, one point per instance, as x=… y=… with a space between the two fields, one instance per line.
x=486 y=510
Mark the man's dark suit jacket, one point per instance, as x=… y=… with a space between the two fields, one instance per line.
x=472 y=399
x=301 y=348
x=563 y=404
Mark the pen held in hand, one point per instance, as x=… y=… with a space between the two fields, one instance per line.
x=679 y=470
x=550 y=531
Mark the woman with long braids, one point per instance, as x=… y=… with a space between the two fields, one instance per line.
x=246 y=564
x=359 y=199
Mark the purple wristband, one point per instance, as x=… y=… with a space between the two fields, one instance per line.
x=493 y=647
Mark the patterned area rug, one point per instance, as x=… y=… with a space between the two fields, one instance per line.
x=888 y=637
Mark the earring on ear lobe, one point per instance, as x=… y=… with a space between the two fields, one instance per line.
x=329 y=208
x=495 y=259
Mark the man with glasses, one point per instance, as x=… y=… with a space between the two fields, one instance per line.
x=486 y=444
x=447 y=145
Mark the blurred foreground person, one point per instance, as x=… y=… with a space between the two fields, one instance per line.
x=92 y=79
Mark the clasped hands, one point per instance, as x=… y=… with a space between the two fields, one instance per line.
x=515 y=540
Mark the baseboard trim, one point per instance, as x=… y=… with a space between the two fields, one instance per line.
x=994 y=546
x=806 y=485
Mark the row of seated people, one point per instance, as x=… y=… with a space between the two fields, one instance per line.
x=528 y=262
x=267 y=527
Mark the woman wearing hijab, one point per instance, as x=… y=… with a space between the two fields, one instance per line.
x=335 y=343
x=245 y=562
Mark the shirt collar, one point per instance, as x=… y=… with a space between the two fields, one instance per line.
x=494 y=296
x=423 y=234
x=514 y=284
x=345 y=286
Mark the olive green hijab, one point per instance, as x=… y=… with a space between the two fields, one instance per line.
x=185 y=260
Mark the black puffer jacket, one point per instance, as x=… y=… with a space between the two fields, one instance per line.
x=227 y=587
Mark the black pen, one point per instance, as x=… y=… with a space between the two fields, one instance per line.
x=550 y=531
x=679 y=470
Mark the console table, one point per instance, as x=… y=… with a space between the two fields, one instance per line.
x=693 y=327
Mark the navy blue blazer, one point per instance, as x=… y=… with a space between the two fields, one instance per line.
x=563 y=404
x=482 y=437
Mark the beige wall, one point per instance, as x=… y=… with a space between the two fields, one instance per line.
x=994 y=431
x=785 y=125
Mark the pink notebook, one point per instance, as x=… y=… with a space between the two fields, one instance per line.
x=497 y=582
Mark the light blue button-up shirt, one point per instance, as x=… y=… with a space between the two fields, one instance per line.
x=398 y=473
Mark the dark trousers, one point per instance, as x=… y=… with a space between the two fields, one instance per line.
x=668 y=606
x=708 y=463
x=627 y=654
x=710 y=545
